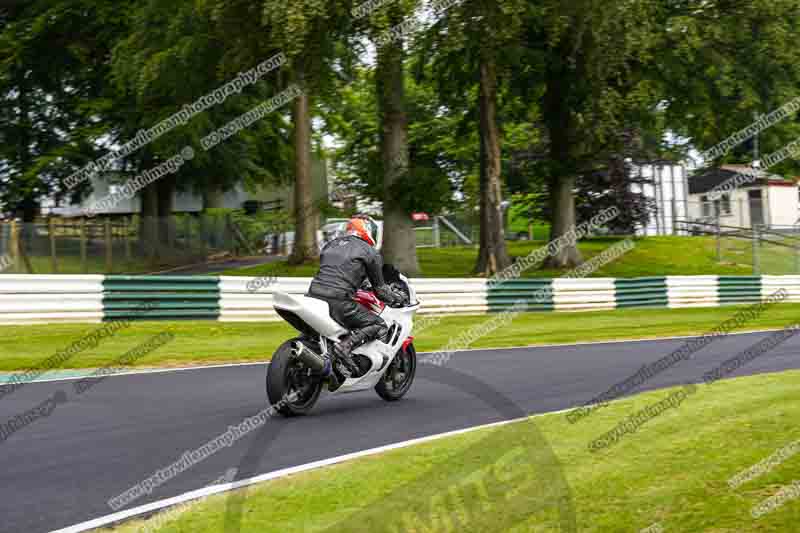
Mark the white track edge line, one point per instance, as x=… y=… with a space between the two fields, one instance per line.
x=216 y=489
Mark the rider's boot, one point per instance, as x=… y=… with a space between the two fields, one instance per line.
x=333 y=381
x=342 y=351
x=353 y=340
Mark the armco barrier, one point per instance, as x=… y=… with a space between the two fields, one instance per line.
x=736 y=289
x=28 y=299
x=791 y=284
x=237 y=303
x=641 y=292
x=168 y=297
x=693 y=291
x=537 y=294
x=441 y=296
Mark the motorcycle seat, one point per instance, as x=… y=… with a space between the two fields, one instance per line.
x=313 y=312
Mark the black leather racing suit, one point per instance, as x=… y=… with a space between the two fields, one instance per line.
x=344 y=265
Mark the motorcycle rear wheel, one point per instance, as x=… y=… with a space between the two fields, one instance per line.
x=286 y=375
x=397 y=379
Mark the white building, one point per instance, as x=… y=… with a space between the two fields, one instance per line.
x=192 y=201
x=184 y=202
x=669 y=191
x=769 y=200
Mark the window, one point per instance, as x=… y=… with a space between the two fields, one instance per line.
x=725 y=204
x=719 y=207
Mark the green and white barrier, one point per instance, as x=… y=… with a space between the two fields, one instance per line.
x=791 y=284
x=238 y=303
x=30 y=299
x=168 y=297
x=26 y=299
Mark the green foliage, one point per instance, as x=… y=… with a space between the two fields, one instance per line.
x=525 y=209
x=55 y=93
x=433 y=148
x=721 y=62
x=576 y=79
x=172 y=57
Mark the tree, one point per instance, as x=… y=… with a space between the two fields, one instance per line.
x=724 y=62
x=399 y=239
x=473 y=51
x=172 y=57
x=590 y=52
x=438 y=158
x=307 y=31
x=609 y=185
x=54 y=66
x=610 y=65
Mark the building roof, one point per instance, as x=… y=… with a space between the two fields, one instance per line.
x=713 y=178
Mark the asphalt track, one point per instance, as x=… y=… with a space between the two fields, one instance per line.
x=62 y=469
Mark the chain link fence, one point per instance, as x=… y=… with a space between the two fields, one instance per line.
x=764 y=250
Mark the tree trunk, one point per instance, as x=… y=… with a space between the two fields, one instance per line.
x=30 y=209
x=148 y=221
x=562 y=199
x=399 y=239
x=493 y=256
x=305 y=247
x=213 y=198
x=562 y=177
x=166 y=218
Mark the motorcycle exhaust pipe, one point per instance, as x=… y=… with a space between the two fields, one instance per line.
x=315 y=362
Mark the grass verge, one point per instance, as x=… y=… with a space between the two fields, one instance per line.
x=198 y=342
x=653 y=256
x=673 y=472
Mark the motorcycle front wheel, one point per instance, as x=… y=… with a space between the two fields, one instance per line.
x=291 y=386
x=394 y=384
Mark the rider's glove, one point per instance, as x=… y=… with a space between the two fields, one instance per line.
x=392 y=297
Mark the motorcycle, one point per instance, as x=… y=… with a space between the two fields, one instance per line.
x=388 y=365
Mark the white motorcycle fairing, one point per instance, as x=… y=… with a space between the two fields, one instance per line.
x=313 y=311
x=315 y=314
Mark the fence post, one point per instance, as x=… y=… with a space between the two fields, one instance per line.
x=756 y=257
x=797 y=259
x=437 y=240
x=187 y=235
x=230 y=240
x=109 y=245
x=84 y=265
x=128 y=230
x=719 y=241
x=23 y=253
x=203 y=234
x=674 y=210
x=741 y=213
x=51 y=230
x=14 y=245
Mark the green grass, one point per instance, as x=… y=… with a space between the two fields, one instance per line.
x=673 y=471
x=96 y=263
x=773 y=258
x=199 y=342
x=652 y=256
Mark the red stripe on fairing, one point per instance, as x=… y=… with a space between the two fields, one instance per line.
x=406 y=342
x=370 y=301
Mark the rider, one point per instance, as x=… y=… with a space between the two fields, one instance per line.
x=344 y=265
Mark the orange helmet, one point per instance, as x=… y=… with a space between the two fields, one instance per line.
x=363 y=227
